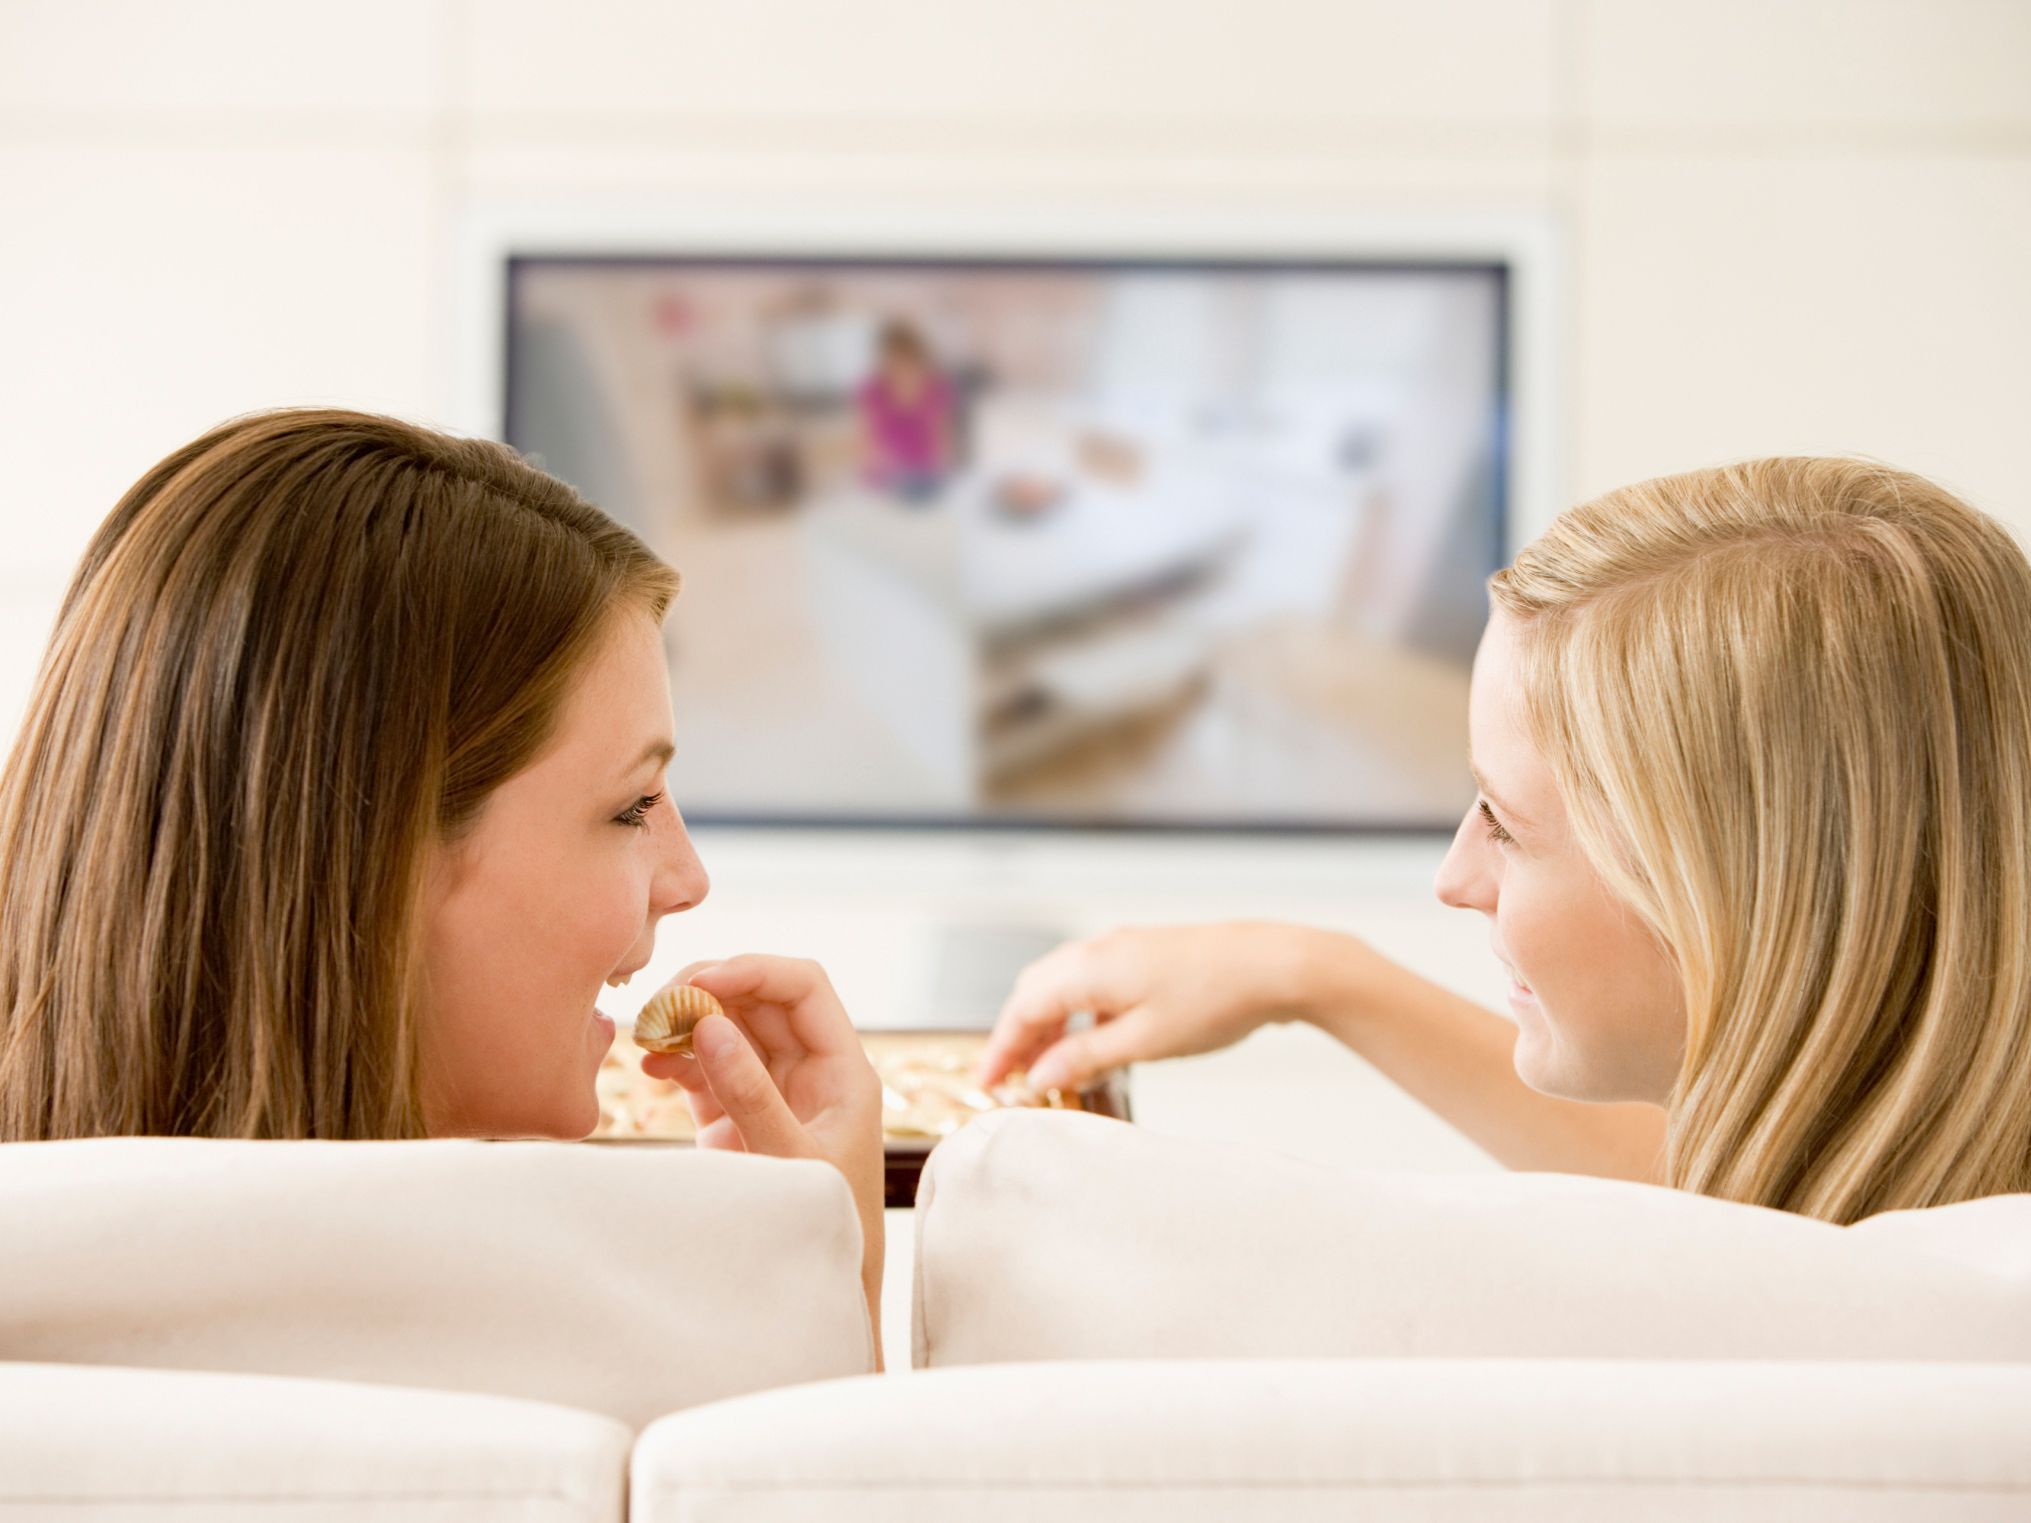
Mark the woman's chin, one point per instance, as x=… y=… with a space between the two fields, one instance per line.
x=1533 y=1060
x=573 y=1121
x=584 y=1121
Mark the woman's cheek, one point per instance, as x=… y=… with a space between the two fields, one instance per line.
x=615 y=913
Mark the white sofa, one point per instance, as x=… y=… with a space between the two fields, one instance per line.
x=1107 y=1324
x=1430 y=1440
x=627 y=1281
x=102 y=1443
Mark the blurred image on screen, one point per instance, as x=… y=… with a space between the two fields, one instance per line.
x=1084 y=544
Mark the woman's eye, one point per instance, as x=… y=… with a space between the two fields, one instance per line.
x=637 y=813
x=1496 y=833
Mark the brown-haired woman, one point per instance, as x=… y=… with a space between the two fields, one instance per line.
x=340 y=796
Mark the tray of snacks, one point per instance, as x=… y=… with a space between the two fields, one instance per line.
x=927 y=1094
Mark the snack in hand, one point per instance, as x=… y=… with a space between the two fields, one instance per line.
x=666 y=1022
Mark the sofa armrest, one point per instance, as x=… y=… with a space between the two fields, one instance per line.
x=1430 y=1440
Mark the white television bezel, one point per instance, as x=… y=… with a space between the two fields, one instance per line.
x=490 y=231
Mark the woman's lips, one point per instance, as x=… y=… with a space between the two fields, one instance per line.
x=1516 y=985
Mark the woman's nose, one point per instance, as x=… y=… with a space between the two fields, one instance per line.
x=1466 y=879
x=680 y=883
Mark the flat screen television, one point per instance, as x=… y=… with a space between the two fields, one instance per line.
x=1078 y=542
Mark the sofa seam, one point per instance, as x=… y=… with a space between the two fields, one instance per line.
x=123 y=1498
x=920 y=1281
x=870 y=1342
x=1353 y=1483
x=985 y=1140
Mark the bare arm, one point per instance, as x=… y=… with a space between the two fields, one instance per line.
x=1456 y=1059
x=1169 y=991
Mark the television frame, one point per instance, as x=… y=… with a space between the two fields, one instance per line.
x=1205 y=234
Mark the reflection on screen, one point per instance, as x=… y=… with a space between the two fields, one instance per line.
x=1070 y=543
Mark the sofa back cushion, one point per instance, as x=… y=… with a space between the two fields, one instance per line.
x=626 y=1281
x=1050 y=1235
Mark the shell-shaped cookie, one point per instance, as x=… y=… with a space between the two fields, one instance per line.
x=671 y=1015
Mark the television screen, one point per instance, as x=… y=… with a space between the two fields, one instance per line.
x=1072 y=543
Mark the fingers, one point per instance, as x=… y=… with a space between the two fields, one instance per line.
x=1079 y=1059
x=1012 y=1048
x=754 y=983
x=767 y=1027
x=683 y=1069
x=677 y=1067
x=1033 y=1017
x=741 y=1085
x=760 y=976
x=685 y=1072
x=720 y=1133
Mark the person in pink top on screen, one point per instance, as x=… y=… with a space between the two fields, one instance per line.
x=906 y=416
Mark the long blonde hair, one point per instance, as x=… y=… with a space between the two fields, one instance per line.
x=297 y=651
x=1788 y=705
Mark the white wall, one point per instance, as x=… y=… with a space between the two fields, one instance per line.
x=1789 y=224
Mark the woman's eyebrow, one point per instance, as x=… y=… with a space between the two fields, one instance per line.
x=1495 y=798
x=659 y=752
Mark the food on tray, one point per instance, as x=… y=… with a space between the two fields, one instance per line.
x=927 y=1089
x=633 y=1105
x=671 y=1015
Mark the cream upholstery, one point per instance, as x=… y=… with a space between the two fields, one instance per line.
x=1409 y=1441
x=1577 y=1349
x=1044 y=1235
x=100 y=1444
x=630 y=1282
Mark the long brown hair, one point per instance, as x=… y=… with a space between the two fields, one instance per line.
x=1788 y=705
x=299 y=650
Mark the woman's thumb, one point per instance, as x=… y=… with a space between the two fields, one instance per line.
x=744 y=1090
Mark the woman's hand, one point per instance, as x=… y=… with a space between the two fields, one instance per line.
x=1159 y=992
x=785 y=1074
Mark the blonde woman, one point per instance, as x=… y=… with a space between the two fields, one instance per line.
x=1753 y=838
x=340 y=797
